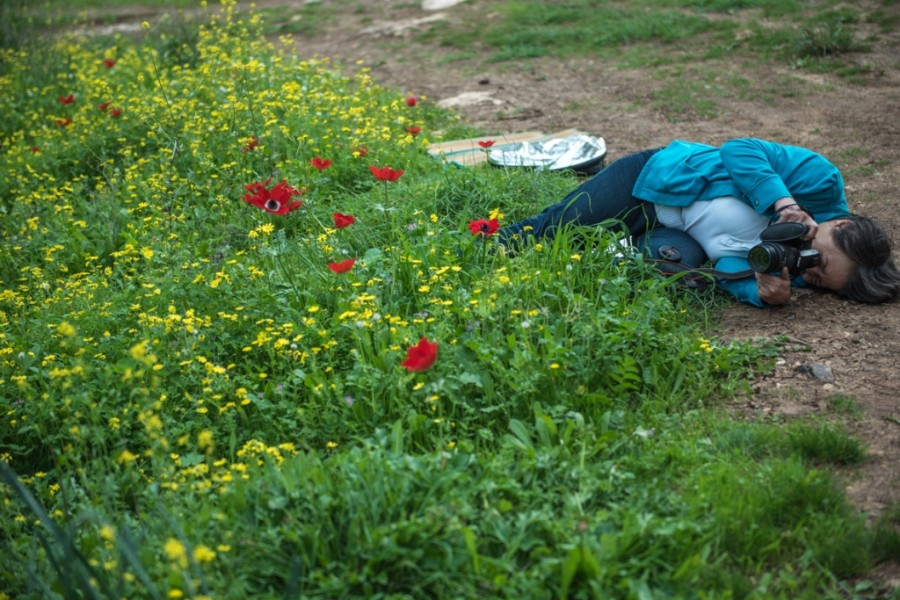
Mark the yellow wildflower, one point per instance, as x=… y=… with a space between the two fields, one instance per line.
x=65 y=329
x=107 y=533
x=203 y=554
x=205 y=440
x=175 y=552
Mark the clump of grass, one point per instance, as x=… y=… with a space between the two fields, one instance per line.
x=769 y=511
x=15 y=27
x=846 y=405
x=829 y=34
x=825 y=443
x=818 y=442
x=826 y=39
x=887 y=535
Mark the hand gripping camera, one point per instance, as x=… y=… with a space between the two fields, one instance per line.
x=783 y=246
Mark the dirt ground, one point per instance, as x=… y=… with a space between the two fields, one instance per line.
x=856 y=125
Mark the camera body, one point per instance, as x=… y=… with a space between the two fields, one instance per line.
x=782 y=245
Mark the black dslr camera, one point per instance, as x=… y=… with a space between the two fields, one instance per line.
x=783 y=246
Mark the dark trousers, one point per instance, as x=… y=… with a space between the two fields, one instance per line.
x=605 y=200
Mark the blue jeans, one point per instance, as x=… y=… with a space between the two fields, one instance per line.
x=605 y=199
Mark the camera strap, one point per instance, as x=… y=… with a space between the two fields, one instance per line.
x=698 y=277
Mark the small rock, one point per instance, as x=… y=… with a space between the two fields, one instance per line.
x=439 y=4
x=400 y=28
x=822 y=372
x=469 y=99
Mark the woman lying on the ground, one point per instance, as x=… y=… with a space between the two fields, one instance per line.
x=713 y=204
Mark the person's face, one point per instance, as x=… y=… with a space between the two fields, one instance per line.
x=836 y=267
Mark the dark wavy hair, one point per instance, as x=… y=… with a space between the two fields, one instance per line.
x=876 y=278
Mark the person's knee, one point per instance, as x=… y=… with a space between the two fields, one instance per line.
x=672 y=245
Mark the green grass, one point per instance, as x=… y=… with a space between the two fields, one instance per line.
x=822 y=443
x=662 y=35
x=814 y=36
x=80 y=5
x=193 y=404
x=525 y=28
x=846 y=405
x=886 y=543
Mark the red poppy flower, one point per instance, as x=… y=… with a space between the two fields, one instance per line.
x=64 y=122
x=109 y=62
x=103 y=106
x=362 y=151
x=484 y=227
x=414 y=130
x=341 y=221
x=253 y=143
x=411 y=101
x=115 y=112
x=385 y=173
x=276 y=200
x=320 y=163
x=486 y=143
x=343 y=266
x=421 y=356
x=67 y=99
x=35 y=149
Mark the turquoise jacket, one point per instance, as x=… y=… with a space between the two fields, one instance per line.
x=756 y=171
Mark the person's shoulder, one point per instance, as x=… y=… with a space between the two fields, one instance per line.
x=685 y=145
x=681 y=150
x=756 y=145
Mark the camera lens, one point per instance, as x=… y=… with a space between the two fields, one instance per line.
x=766 y=257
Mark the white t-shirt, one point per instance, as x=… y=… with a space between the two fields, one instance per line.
x=724 y=227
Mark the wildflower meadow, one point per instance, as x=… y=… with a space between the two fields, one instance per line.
x=255 y=342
